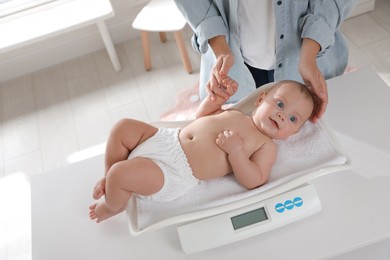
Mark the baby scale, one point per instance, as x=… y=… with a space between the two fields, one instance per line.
x=250 y=220
x=209 y=217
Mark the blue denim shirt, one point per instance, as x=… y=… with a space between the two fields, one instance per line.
x=319 y=20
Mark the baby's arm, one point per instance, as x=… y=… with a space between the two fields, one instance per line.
x=250 y=171
x=213 y=104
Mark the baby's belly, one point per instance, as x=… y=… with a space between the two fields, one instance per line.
x=206 y=159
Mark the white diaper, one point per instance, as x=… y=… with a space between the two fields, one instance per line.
x=165 y=150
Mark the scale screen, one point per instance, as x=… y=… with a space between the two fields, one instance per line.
x=249 y=218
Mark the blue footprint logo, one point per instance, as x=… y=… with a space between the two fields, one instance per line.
x=289 y=204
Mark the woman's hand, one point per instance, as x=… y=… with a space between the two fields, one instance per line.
x=225 y=60
x=216 y=85
x=313 y=77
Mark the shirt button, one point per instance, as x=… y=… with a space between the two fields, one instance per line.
x=281 y=36
x=280 y=65
x=279 y=3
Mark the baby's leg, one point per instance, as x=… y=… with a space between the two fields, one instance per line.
x=139 y=175
x=124 y=137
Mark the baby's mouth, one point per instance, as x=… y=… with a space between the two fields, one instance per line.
x=274 y=123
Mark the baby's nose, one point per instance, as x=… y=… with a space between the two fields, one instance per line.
x=281 y=116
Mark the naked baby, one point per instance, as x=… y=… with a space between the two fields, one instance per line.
x=162 y=164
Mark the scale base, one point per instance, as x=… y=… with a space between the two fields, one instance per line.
x=250 y=220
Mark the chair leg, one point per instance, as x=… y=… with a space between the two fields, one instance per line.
x=146 y=49
x=183 y=51
x=163 y=36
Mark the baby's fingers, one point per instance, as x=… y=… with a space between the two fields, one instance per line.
x=221 y=138
x=230 y=86
x=231 y=89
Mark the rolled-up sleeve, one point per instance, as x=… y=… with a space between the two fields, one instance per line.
x=205 y=20
x=323 y=19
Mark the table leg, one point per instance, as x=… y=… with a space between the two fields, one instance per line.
x=109 y=45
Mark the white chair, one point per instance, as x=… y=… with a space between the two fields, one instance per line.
x=161 y=16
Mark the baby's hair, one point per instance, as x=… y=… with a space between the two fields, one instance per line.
x=307 y=92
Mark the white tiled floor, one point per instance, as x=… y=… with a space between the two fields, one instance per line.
x=369 y=39
x=53 y=113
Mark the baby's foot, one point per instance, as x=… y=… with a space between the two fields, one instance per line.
x=100 y=189
x=100 y=212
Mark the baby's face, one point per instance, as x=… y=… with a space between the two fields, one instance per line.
x=282 y=111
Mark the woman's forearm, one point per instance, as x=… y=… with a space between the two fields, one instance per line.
x=309 y=50
x=219 y=46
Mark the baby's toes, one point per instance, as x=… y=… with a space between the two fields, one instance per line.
x=92 y=213
x=97 y=193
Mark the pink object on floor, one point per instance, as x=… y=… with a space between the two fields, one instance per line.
x=187 y=102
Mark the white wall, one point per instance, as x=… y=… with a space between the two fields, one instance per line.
x=70 y=45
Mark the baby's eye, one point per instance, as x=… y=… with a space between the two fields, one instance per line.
x=293 y=119
x=280 y=104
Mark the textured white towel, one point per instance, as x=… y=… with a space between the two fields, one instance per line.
x=312 y=148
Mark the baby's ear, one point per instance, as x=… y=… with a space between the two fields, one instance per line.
x=260 y=98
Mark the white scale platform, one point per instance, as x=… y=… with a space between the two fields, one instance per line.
x=353 y=215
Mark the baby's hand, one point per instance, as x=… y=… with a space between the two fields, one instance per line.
x=229 y=85
x=230 y=141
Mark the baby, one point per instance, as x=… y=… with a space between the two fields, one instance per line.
x=162 y=164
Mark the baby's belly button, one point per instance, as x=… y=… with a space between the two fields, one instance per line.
x=188 y=137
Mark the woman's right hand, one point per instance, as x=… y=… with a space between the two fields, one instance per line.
x=216 y=85
x=220 y=70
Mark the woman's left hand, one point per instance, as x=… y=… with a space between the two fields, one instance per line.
x=312 y=76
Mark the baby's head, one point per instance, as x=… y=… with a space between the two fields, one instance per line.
x=283 y=109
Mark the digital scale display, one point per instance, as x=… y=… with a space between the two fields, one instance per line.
x=249 y=218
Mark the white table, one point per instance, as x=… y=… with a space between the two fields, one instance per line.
x=56 y=18
x=354 y=212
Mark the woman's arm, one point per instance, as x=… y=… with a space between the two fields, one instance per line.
x=206 y=18
x=312 y=76
x=318 y=28
x=323 y=19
